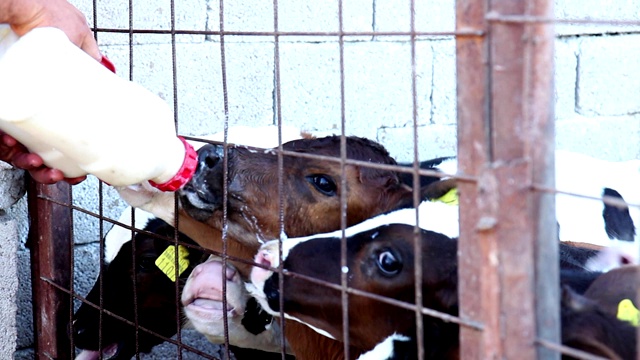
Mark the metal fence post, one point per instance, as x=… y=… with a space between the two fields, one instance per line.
x=50 y=236
x=508 y=242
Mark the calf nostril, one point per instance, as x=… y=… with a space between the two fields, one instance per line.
x=230 y=273
x=211 y=161
x=209 y=156
x=196 y=271
x=261 y=259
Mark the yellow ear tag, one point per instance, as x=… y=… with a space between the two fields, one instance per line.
x=166 y=262
x=450 y=198
x=628 y=312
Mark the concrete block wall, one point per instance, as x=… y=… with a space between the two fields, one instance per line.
x=597 y=87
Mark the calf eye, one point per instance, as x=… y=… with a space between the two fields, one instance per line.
x=146 y=263
x=324 y=184
x=389 y=263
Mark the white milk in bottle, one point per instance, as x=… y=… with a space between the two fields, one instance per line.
x=83 y=119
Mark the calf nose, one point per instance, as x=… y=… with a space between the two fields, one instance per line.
x=230 y=272
x=207 y=181
x=214 y=267
x=209 y=156
x=196 y=271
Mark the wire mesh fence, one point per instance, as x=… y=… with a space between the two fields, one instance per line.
x=503 y=132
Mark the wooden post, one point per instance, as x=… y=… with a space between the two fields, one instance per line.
x=50 y=240
x=508 y=238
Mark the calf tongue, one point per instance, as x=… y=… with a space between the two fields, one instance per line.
x=88 y=355
x=208 y=303
x=110 y=351
x=107 y=353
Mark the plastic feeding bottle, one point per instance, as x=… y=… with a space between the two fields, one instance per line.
x=83 y=119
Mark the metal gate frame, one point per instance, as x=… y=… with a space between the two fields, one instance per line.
x=508 y=239
x=508 y=248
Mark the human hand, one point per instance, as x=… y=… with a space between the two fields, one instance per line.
x=11 y=151
x=26 y=15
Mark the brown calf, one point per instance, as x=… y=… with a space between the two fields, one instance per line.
x=313 y=189
x=380 y=260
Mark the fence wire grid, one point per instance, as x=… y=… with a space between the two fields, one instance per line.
x=505 y=139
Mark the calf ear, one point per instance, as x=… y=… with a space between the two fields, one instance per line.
x=439 y=189
x=306 y=135
x=575 y=301
x=378 y=179
x=448 y=296
x=591 y=346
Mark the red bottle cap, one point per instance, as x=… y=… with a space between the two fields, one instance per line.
x=185 y=173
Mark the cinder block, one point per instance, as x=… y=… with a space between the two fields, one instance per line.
x=608 y=77
x=249 y=82
x=24 y=298
x=430 y=16
x=357 y=15
x=85 y=195
x=146 y=15
x=392 y=15
x=378 y=85
x=249 y=70
x=20 y=213
x=152 y=67
x=566 y=62
x=253 y=16
x=200 y=92
x=292 y=16
x=435 y=16
x=443 y=103
x=310 y=85
x=433 y=141
x=608 y=10
x=12 y=185
x=308 y=15
x=426 y=80
x=191 y=338
x=8 y=286
x=609 y=138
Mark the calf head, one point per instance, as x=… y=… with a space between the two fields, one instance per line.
x=588 y=327
x=615 y=286
x=312 y=188
x=379 y=261
x=248 y=326
x=155 y=293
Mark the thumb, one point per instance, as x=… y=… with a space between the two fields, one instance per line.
x=90 y=46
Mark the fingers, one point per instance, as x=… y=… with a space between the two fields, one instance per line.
x=90 y=46
x=49 y=176
x=7 y=140
x=76 y=180
x=27 y=161
x=59 y=14
x=74 y=24
x=41 y=173
x=9 y=148
x=46 y=175
x=13 y=152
